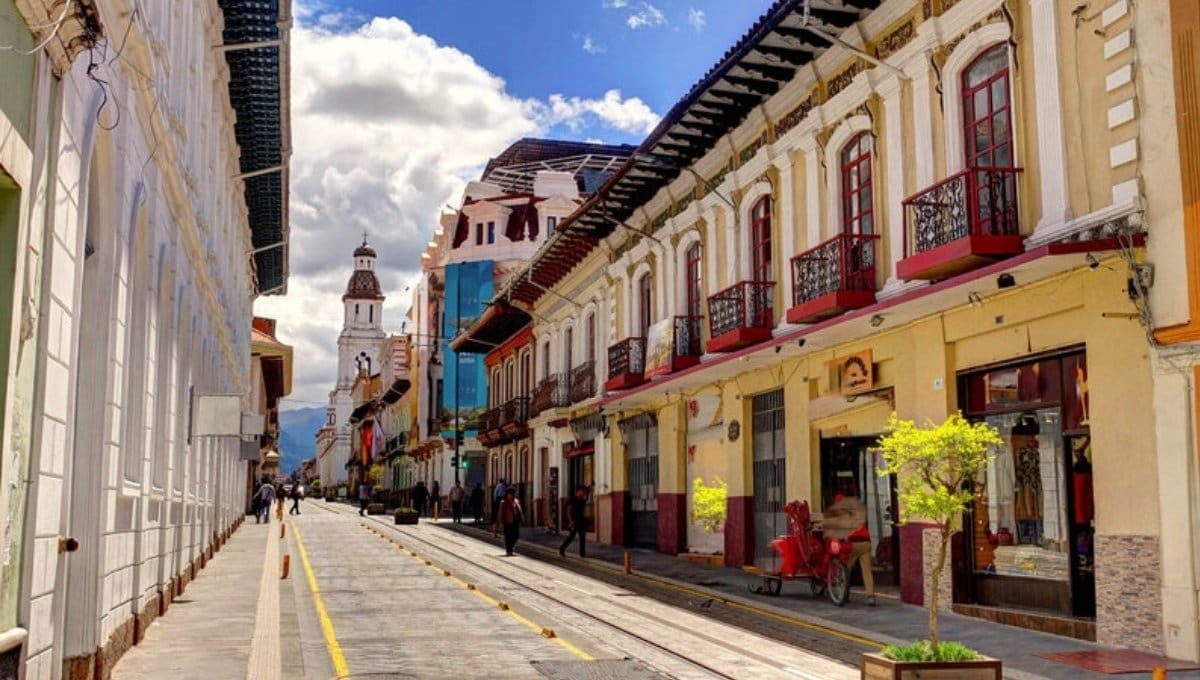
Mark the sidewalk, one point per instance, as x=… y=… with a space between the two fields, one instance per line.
x=226 y=624
x=890 y=622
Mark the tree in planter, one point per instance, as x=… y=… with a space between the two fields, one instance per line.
x=936 y=466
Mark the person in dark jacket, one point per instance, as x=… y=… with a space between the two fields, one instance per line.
x=419 y=495
x=477 y=502
x=508 y=516
x=577 y=521
x=296 y=495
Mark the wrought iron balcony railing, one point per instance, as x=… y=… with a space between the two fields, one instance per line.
x=583 y=381
x=979 y=201
x=687 y=337
x=845 y=262
x=550 y=393
x=514 y=412
x=627 y=357
x=747 y=304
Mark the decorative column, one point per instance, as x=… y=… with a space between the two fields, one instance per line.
x=787 y=223
x=1052 y=162
x=890 y=90
x=710 y=250
x=812 y=190
x=922 y=95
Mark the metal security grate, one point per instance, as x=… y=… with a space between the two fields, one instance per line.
x=767 y=430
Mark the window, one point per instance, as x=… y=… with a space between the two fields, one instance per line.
x=371 y=313
x=645 y=296
x=491 y=232
x=568 y=353
x=525 y=370
x=510 y=382
x=545 y=360
x=857 y=213
x=496 y=387
x=691 y=273
x=551 y=223
x=590 y=338
x=356 y=311
x=479 y=234
x=987 y=110
x=760 y=245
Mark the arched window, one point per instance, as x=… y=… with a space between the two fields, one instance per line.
x=645 y=297
x=370 y=313
x=525 y=373
x=496 y=387
x=589 y=339
x=760 y=241
x=568 y=349
x=987 y=110
x=691 y=272
x=545 y=360
x=857 y=212
x=510 y=382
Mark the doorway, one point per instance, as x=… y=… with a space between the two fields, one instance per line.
x=581 y=471
x=848 y=468
x=769 y=474
x=641 y=461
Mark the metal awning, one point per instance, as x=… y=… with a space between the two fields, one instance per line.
x=256 y=45
x=499 y=322
x=766 y=58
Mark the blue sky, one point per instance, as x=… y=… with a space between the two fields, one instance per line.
x=397 y=104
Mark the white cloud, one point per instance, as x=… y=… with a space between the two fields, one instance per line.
x=630 y=115
x=592 y=47
x=648 y=15
x=615 y=4
x=387 y=126
x=696 y=18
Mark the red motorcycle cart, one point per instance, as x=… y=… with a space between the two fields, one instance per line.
x=806 y=553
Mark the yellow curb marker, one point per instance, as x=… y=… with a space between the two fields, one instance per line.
x=335 y=650
x=503 y=606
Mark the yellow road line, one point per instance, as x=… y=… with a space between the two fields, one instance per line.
x=540 y=630
x=335 y=650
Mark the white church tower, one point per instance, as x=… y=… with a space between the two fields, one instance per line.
x=358 y=346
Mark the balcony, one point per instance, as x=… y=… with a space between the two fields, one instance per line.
x=964 y=222
x=583 y=382
x=834 y=277
x=550 y=393
x=488 y=427
x=741 y=315
x=514 y=417
x=626 y=364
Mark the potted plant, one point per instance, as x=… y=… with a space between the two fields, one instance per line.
x=406 y=516
x=937 y=467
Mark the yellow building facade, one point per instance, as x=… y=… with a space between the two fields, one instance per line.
x=919 y=208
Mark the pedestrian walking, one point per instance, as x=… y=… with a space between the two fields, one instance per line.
x=266 y=498
x=435 y=499
x=280 y=499
x=477 y=503
x=457 y=493
x=577 y=521
x=419 y=495
x=497 y=496
x=509 y=517
x=297 y=494
x=364 y=497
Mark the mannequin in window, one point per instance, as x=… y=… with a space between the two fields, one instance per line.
x=1027 y=466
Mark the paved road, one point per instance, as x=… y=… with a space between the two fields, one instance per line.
x=420 y=602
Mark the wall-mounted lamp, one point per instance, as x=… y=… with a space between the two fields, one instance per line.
x=800 y=342
x=876 y=321
x=1005 y=280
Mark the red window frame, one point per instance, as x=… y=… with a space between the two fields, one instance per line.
x=980 y=123
x=857 y=186
x=760 y=241
x=645 y=300
x=691 y=269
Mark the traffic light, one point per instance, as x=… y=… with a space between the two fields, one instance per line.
x=453 y=461
x=458 y=437
x=464 y=463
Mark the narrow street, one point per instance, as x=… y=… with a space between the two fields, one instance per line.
x=380 y=599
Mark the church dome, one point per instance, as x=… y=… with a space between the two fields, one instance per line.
x=363 y=285
x=364 y=251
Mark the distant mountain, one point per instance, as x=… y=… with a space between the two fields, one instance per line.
x=297 y=430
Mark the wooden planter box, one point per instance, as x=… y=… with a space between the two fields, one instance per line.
x=376 y=509
x=406 y=517
x=879 y=667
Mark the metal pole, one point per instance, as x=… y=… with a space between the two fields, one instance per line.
x=457 y=377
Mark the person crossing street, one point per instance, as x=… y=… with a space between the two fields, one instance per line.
x=577 y=521
x=508 y=516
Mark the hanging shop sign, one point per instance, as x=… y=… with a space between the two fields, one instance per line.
x=856 y=373
x=660 y=347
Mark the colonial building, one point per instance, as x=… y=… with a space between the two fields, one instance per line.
x=954 y=206
x=270 y=381
x=358 y=350
x=143 y=207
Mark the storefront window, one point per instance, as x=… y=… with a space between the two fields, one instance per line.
x=1020 y=513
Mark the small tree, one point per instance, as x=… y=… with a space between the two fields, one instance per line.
x=936 y=466
x=708 y=503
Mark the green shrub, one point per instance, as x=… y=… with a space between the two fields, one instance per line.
x=708 y=503
x=924 y=651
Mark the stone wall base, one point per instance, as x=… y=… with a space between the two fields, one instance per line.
x=1129 y=592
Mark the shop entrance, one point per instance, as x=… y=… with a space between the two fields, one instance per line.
x=581 y=470
x=641 y=460
x=769 y=473
x=1030 y=543
x=848 y=468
